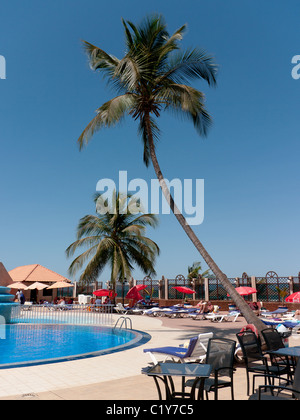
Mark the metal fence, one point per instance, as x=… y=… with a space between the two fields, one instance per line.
x=154 y=287
x=270 y=288
x=67 y=314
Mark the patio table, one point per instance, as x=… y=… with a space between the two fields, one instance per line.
x=290 y=353
x=287 y=351
x=165 y=371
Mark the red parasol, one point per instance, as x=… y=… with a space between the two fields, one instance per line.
x=104 y=292
x=184 y=289
x=245 y=291
x=134 y=294
x=141 y=287
x=294 y=298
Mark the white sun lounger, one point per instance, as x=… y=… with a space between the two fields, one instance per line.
x=196 y=350
x=215 y=317
x=234 y=315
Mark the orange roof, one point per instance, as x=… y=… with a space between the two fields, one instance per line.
x=35 y=272
x=5 y=278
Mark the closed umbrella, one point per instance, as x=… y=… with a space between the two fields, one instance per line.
x=294 y=298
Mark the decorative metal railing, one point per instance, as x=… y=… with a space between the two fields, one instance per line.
x=270 y=288
x=68 y=314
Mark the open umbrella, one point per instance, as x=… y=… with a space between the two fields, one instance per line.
x=104 y=292
x=141 y=287
x=134 y=294
x=37 y=285
x=294 y=298
x=17 y=285
x=60 y=285
x=245 y=291
x=185 y=290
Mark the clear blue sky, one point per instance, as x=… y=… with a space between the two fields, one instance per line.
x=249 y=161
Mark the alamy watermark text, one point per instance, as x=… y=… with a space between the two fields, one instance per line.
x=2 y=67
x=148 y=198
x=296 y=68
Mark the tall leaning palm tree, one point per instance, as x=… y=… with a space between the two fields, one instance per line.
x=116 y=238
x=150 y=78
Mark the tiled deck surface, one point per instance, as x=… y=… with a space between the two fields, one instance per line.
x=115 y=376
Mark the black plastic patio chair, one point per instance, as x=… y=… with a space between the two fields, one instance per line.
x=291 y=389
x=255 y=360
x=275 y=342
x=273 y=339
x=220 y=355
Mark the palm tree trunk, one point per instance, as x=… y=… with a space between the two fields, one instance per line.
x=247 y=312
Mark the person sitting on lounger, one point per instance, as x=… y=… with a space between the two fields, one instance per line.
x=255 y=307
x=62 y=302
x=207 y=307
x=200 y=306
x=210 y=308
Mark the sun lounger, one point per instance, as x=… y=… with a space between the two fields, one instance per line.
x=275 y=322
x=152 y=311
x=27 y=306
x=59 y=307
x=214 y=317
x=120 y=309
x=279 y=311
x=181 y=312
x=232 y=316
x=196 y=350
x=162 y=311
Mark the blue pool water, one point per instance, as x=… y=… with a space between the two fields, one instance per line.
x=34 y=343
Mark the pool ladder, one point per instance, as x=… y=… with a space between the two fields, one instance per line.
x=124 y=322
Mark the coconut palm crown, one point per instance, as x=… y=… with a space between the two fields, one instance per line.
x=151 y=78
x=116 y=238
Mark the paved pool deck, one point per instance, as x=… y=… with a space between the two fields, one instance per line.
x=116 y=376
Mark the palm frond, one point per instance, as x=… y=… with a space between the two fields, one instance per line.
x=79 y=261
x=108 y=115
x=98 y=58
x=91 y=224
x=128 y=73
x=171 y=43
x=186 y=102
x=188 y=65
x=146 y=220
x=83 y=242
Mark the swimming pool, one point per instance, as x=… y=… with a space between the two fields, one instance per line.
x=28 y=344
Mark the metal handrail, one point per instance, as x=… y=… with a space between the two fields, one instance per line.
x=124 y=321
